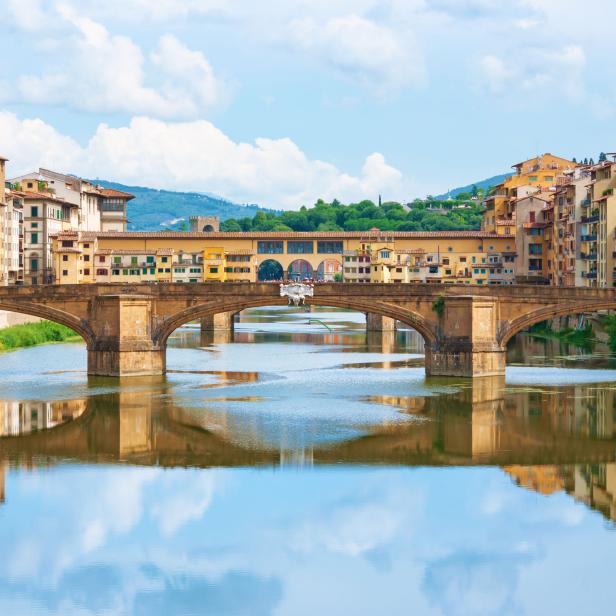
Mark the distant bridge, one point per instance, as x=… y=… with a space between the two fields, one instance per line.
x=465 y=328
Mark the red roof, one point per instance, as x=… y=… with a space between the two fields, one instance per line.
x=242 y=235
x=111 y=192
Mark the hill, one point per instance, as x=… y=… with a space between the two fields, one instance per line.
x=153 y=209
x=482 y=184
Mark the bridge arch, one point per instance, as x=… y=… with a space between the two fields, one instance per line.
x=270 y=269
x=327 y=270
x=549 y=312
x=300 y=269
x=193 y=313
x=51 y=314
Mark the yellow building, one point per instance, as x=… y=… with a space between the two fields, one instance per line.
x=531 y=176
x=472 y=257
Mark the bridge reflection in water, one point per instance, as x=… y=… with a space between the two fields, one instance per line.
x=547 y=439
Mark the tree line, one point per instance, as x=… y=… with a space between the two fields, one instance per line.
x=462 y=212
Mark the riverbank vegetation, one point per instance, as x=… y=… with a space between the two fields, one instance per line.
x=583 y=337
x=32 y=334
x=464 y=212
x=609 y=323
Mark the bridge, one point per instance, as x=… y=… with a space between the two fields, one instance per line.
x=465 y=329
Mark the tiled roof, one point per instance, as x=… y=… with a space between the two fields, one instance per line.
x=40 y=197
x=240 y=235
x=111 y=192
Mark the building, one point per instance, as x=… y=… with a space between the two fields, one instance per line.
x=535 y=175
x=52 y=203
x=474 y=257
x=11 y=233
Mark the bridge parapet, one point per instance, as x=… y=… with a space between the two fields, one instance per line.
x=465 y=328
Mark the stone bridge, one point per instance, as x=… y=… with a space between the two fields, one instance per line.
x=465 y=329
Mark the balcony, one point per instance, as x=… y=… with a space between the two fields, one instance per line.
x=591 y=218
x=585 y=202
x=589 y=275
x=590 y=256
x=588 y=238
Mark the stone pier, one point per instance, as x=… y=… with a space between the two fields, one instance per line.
x=379 y=323
x=466 y=344
x=222 y=321
x=123 y=344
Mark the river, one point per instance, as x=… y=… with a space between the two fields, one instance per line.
x=304 y=467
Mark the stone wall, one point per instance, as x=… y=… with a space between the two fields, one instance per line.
x=8 y=319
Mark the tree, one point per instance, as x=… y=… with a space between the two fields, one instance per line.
x=602 y=157
x=230 y=225
x=474 y=190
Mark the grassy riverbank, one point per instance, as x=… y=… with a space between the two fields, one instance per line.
x=32 y=334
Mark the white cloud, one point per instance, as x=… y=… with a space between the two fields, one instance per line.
x=537 y=70
x=377 y=56
x=108 y=73
x=197 y=156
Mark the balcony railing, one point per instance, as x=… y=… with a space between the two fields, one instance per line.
x=589 y=275
x=588 y=238
x=585 y=202
x=590 y=256
x=589 y=219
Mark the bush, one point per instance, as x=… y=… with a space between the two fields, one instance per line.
x=31 y=334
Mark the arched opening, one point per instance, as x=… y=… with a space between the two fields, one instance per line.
x=208 y=229
x=300 y=270
x=270 y=270
x=329 y=270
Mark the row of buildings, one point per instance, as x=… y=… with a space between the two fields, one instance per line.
x=563 y=218
x=551 y=222
x=37 y=206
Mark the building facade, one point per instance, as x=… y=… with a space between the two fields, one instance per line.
x=471 y=257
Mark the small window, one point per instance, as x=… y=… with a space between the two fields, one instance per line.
x=34 y=211
x=64 y=257
x=86 y=272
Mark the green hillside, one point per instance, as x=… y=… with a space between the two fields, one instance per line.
x=482 y=185
x=154 y=210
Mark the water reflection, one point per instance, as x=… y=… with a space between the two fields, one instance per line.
x=183 y=494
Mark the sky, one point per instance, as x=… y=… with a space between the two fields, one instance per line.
x=281 y=102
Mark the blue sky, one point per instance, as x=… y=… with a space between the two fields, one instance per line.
x=281 y=102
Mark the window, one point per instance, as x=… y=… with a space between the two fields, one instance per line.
x=117 y=260
x=101 y=259
x=548 y=178
x=67 y=244
x=64 y=257
x=152 y=270
x=86 y=257
x=445 y=261
x=270 y=247
x=86 y=245
x=101 y=272
x=533 y=178
x=213 y=270
x=535 y=249
x=300 y=248
x=149 y=259
x=462 y=259
x=34 y=265
x=125 y=272
x=229 y=270
x=450 y=249
x=34 y=238
x=115 y=272
x=34 y=211
x=133 y=260
x=167 y=270
x=64 y=272
x=160 y=270
x=385 y=254
x=329 y=247
x=164 y=259
x=86 y=272
x=34 y=225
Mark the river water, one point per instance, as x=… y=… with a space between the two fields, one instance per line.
x=304 y=467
